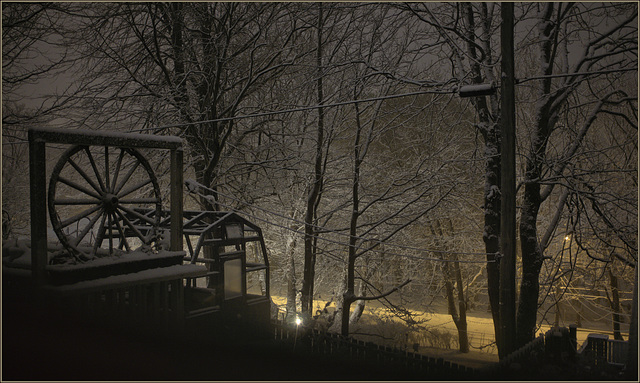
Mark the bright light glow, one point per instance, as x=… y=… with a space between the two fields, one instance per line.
x=567 y=238
x=298 y=321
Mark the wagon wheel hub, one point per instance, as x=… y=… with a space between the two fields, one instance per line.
x=110 y=202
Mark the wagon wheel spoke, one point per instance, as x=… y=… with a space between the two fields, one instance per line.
x=85 y=176
x=95 y=169
x=137 y=232
x=100 y=236
x=132 y=188
x=141 y=201
x=78 y=187
x=126 y=178
x=80 y=216
x=106 y=169
x=123 y=241
x=76 y=201
x=86 y=229
x=109 y=223
x=117 y=171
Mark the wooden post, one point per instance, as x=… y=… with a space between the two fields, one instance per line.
x=38 y=205
x=176 y=199
x=507 y=187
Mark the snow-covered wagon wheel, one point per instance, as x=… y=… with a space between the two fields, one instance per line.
x=105 y=198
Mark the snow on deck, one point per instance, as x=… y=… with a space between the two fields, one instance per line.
x=16 y=259
x=140 y=277
x=133 y=256
x=17 y=254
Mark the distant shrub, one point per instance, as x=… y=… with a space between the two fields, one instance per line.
x=435 y=338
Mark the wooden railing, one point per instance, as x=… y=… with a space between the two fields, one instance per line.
x=149 y=300
x=531 y=352
x=599 y=350
x=557 y=344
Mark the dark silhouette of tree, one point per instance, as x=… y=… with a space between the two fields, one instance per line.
x=584 y=91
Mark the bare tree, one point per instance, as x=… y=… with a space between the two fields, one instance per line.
x=34 y=49
x=35 y=52
x=467 y=33
x=192 y=66
x=315 y=190
x=467 y=30
x=575 y=89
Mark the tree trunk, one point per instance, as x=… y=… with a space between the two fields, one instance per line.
x=358 y=309
x=316 y=188
x=337 y=320
x=291 y=275
x=615 y=306
x=491 y=235
x=531 y=263
x=532 y=256
x=463 y=336
x=556 y=321
x=459 y=314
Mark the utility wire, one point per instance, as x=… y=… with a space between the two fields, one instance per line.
x=191 y=188
x=301 y=109
x=604 y=71
x=388 y=97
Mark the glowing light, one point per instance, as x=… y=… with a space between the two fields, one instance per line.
x=298 y=321
x=567 y=238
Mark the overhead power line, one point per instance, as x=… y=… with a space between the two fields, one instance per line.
x=453 y=90
x=604 y=71
x=300 y=109
x=191 y=188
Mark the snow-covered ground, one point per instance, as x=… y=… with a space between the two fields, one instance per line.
x=480 y=330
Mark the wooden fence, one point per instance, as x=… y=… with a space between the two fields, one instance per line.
x=531 y=352
x=617 y=351
x=324 y=343
x=149 y=300
x=599 y=350
x=559 y=346
x=557 y=343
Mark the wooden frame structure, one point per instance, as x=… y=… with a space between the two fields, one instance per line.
x=38 y=138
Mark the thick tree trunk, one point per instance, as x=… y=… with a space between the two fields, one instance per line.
x=358 y=308
x=615 y=306
x=491 y=235
x=349 y=295
x=531 y=263
x=337 y=321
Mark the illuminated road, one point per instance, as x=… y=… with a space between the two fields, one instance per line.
x=480 y=327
